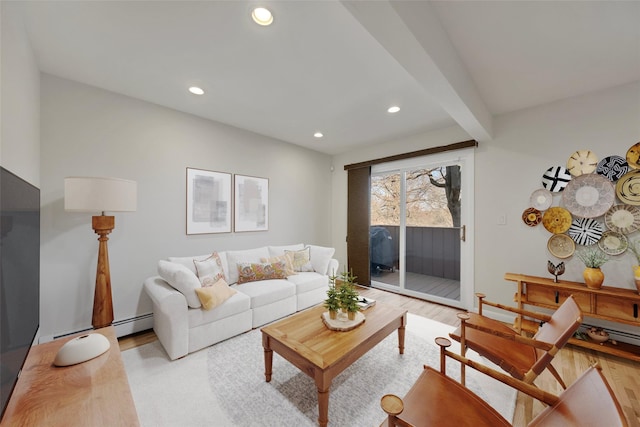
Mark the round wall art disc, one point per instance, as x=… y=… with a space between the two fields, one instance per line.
x=556 y=220
x=633 y=156
x=556 y=178
x=589 y=196
x=561 y=246
x=628 y=188
x=585 y=231
x=612 y=167
x=531 y=217
x=541 y=199
x=624 y=219
x=613 y=243
x=582 y=162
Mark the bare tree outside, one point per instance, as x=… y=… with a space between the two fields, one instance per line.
x=433 y=198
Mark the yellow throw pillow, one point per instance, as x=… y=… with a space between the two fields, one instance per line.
x=301 y=260
x=288 y=266
x=214 y=295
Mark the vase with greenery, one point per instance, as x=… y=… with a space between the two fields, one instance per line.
x=635 y=248
x=593 y=258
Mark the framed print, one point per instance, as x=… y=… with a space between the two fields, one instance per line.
x=251 y=203
x=208 y=202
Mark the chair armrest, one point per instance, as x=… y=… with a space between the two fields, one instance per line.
x=535 y=314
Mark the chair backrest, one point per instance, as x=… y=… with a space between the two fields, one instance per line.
x=563 y=324
x=588 y=402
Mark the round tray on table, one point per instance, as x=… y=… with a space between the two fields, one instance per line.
x=342 y=322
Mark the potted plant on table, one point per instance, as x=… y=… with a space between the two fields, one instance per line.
x=332 y=303
x=348 y=295
x=593 y=258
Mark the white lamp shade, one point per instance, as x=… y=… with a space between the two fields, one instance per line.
x=95 y=194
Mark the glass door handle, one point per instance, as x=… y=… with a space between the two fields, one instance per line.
x=463 y=236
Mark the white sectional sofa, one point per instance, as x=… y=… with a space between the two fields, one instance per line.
x=184 y=326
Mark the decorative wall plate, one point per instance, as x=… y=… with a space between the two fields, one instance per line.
x=561 y=246
x=556 y=220
x=613 y=243
x=582 y=162
x=541 y=199
x=633 y=156
x=531 y=217
x=612 y=167
x=628 y=188
x=624 y=219
x=585 y=231
x=589 y=196
x=556 y=178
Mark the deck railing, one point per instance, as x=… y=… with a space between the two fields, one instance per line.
x=432 y=251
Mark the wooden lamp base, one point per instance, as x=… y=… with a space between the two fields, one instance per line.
x=102 y=302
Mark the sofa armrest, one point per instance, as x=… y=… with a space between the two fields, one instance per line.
x=334 y=267
x=170 y=320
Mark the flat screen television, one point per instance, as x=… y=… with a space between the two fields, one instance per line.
x=19 y=277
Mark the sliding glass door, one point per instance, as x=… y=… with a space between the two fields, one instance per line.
x=419 y=228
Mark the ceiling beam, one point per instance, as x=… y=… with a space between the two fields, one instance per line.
x=412 y=34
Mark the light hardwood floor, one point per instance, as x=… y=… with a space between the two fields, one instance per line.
x=570 y=362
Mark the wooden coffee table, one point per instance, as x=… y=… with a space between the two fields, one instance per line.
x=321 y=353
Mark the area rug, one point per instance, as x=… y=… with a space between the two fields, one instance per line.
x=224 y=385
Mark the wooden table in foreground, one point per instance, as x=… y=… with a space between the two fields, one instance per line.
x=93 y=393
x=321 y=353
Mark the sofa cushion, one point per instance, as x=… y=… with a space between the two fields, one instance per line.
x=279 y=250
x=267 y=292
x=289 y=271
x=246 y=256
x=253 y=272
x=215 y=294
x=210 y=270
x=301 y=259
x=308 y=281
x=238 y=303
x=320 y=257
x=181 y=279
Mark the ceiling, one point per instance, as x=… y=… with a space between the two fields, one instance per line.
x=335 y=67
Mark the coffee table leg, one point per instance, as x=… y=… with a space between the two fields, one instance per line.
x=268 y=358
x=323 y=407
x=401 y=334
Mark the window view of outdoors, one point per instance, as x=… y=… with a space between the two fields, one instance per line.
x=431 y=234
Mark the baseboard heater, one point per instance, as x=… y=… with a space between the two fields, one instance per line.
x=122 y=327
x=622 y=336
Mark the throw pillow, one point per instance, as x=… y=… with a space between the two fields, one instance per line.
x=215 y=294
x=289 y=271
x=301 y=260
x=320 y=258
x=249 y=272
x=209 y=270
x=182 y=280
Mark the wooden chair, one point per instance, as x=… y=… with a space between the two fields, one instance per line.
x=437 y=400
x=522 y=357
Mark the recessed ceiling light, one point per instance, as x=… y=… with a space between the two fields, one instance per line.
x=196 y=90
x=393 y=109
x=318 y=135
x=262 y=16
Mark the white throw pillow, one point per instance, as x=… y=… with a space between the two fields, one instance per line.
x=320 y=258
x=301 y=260
x=209 y=270
x=182 y=280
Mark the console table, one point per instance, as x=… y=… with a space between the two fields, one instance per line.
x=93 y=393
x=607 y=303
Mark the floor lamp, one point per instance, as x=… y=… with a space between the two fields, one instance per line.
x=94 y=194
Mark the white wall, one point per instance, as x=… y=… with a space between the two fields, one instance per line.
x=20 y=99
x=88 y=131
x=509 y=168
